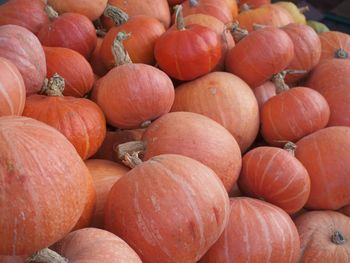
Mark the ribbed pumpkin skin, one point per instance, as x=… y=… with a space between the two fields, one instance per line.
x=264 y=92
x=70 y=30
x=28 y=14
x=316 y=229
x=73 y=67
x=224 y=98
x=95 y=245
x=12 y=89
x=276 y=176
x=142 y=210
x=91 y=9
x=331 y=79
x=307 y=49
x=257 y=65
x=331 y=42
x=23 y=49
x=104 y=173
x=256 y=232
x=80 y=120
x=134 y=93
x=326 y=156
x=140 y=44
x=197 y=137
x=44 y=179
x=292 y=115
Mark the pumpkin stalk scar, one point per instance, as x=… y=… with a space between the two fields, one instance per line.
x=46 y=256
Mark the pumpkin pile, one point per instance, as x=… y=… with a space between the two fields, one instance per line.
x=172 y=131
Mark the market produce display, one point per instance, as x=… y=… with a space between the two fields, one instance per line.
x=172 y=131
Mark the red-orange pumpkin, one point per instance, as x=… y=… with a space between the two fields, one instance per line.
x=12 y=89
x=44 y=180
x=170 y=208
x=73 y=67
x=325 y=155
x=224 y=98
x=324 y=237
x=23 y=49
x=276 y=176
x=104 y=174
x=70 y=30
x=335 y=45
x=256 y=65
x=256 y=232
x=253 y=3
x=28 y=14
x=292 y=115
x=331 y=79
x=96 y=61
x=264 y=92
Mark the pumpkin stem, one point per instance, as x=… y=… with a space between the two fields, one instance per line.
x=100 y=32
x=258 y=26
x=341 y=53
x=245 y=8
x=179 y=18
x=237 y=32
x=304 y=9
x=116 y=14
x=120 y=54
x=293 y=71
x=51 y=13
x=337 y=238
x=54 y=86
x=193 y=3
x=145 y=124
x=290 y=147
x=46 y=255
x=278 y=80
x=129 y=152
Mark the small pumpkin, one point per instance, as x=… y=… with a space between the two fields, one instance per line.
x=264 y=92
x=335 y=45
x=317 y=26
x=96 y=61
x=296 y=12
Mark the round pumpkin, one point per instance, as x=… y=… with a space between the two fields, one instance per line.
x=23 y=49
x=70 y=30
x=73 y=67
x=335 y=45
x=264 y=92
x=44 y=179
x=276 y=176
x=12 y=89
x=142 y=210
x=256 y=232
x=324 y=237
x=292 y=115
x=317 y=26
x=224 y=98
x=256 y=65
x=325 y=155
x=28 y=14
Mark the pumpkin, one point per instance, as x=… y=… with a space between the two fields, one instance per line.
x=91 y=9
x=197 y=137
x=157 y=9
x=186 y=53
x=317 y=26
x=296 y=13
x=24 y=50
x=73 y=67
x=331 y=80
x=256 y=232
x=44 y=179
x=253 y=3
x=28 y=14
x=12 y=89
x=307 y=50
x=96 y=61
x=335 y=45
x=325 y=155
x=140 y=44
x=276 y=176
x=162 y=228
x=224 y=98
x=104 y=173
x=264 y=92
x=324 y=236
x=267 y=15
x=80 y=120
x=257 y=65
x=69 y=30
x=292 y=115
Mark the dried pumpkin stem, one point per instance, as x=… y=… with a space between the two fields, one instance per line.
x=129 y=152
x=120 y=54
x=304 y=9
x=54 y=86
x=51 y=13
x=290 y=147
x=100 y=33
x=258 y=26
x=116 y=14
x=237 y=33
x=179 y=19
x=338 y=238
x=245 y=8
x=341 y=53
x=278 y=80
x=193 y=3
x=46 y=256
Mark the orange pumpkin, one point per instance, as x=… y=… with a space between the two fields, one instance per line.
x=96 y=61
x=264 y=92
x=253 y=3
x=335 y=45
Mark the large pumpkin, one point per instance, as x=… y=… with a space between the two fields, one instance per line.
x=326 y=155
x=28 y=14
x=23 y=49
x=44 y=179
x=275 y=176
x=335 y=45
x=12 y=89
x=324 y=237
x=256 y=232
x=170 y=208
x=224 y=98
